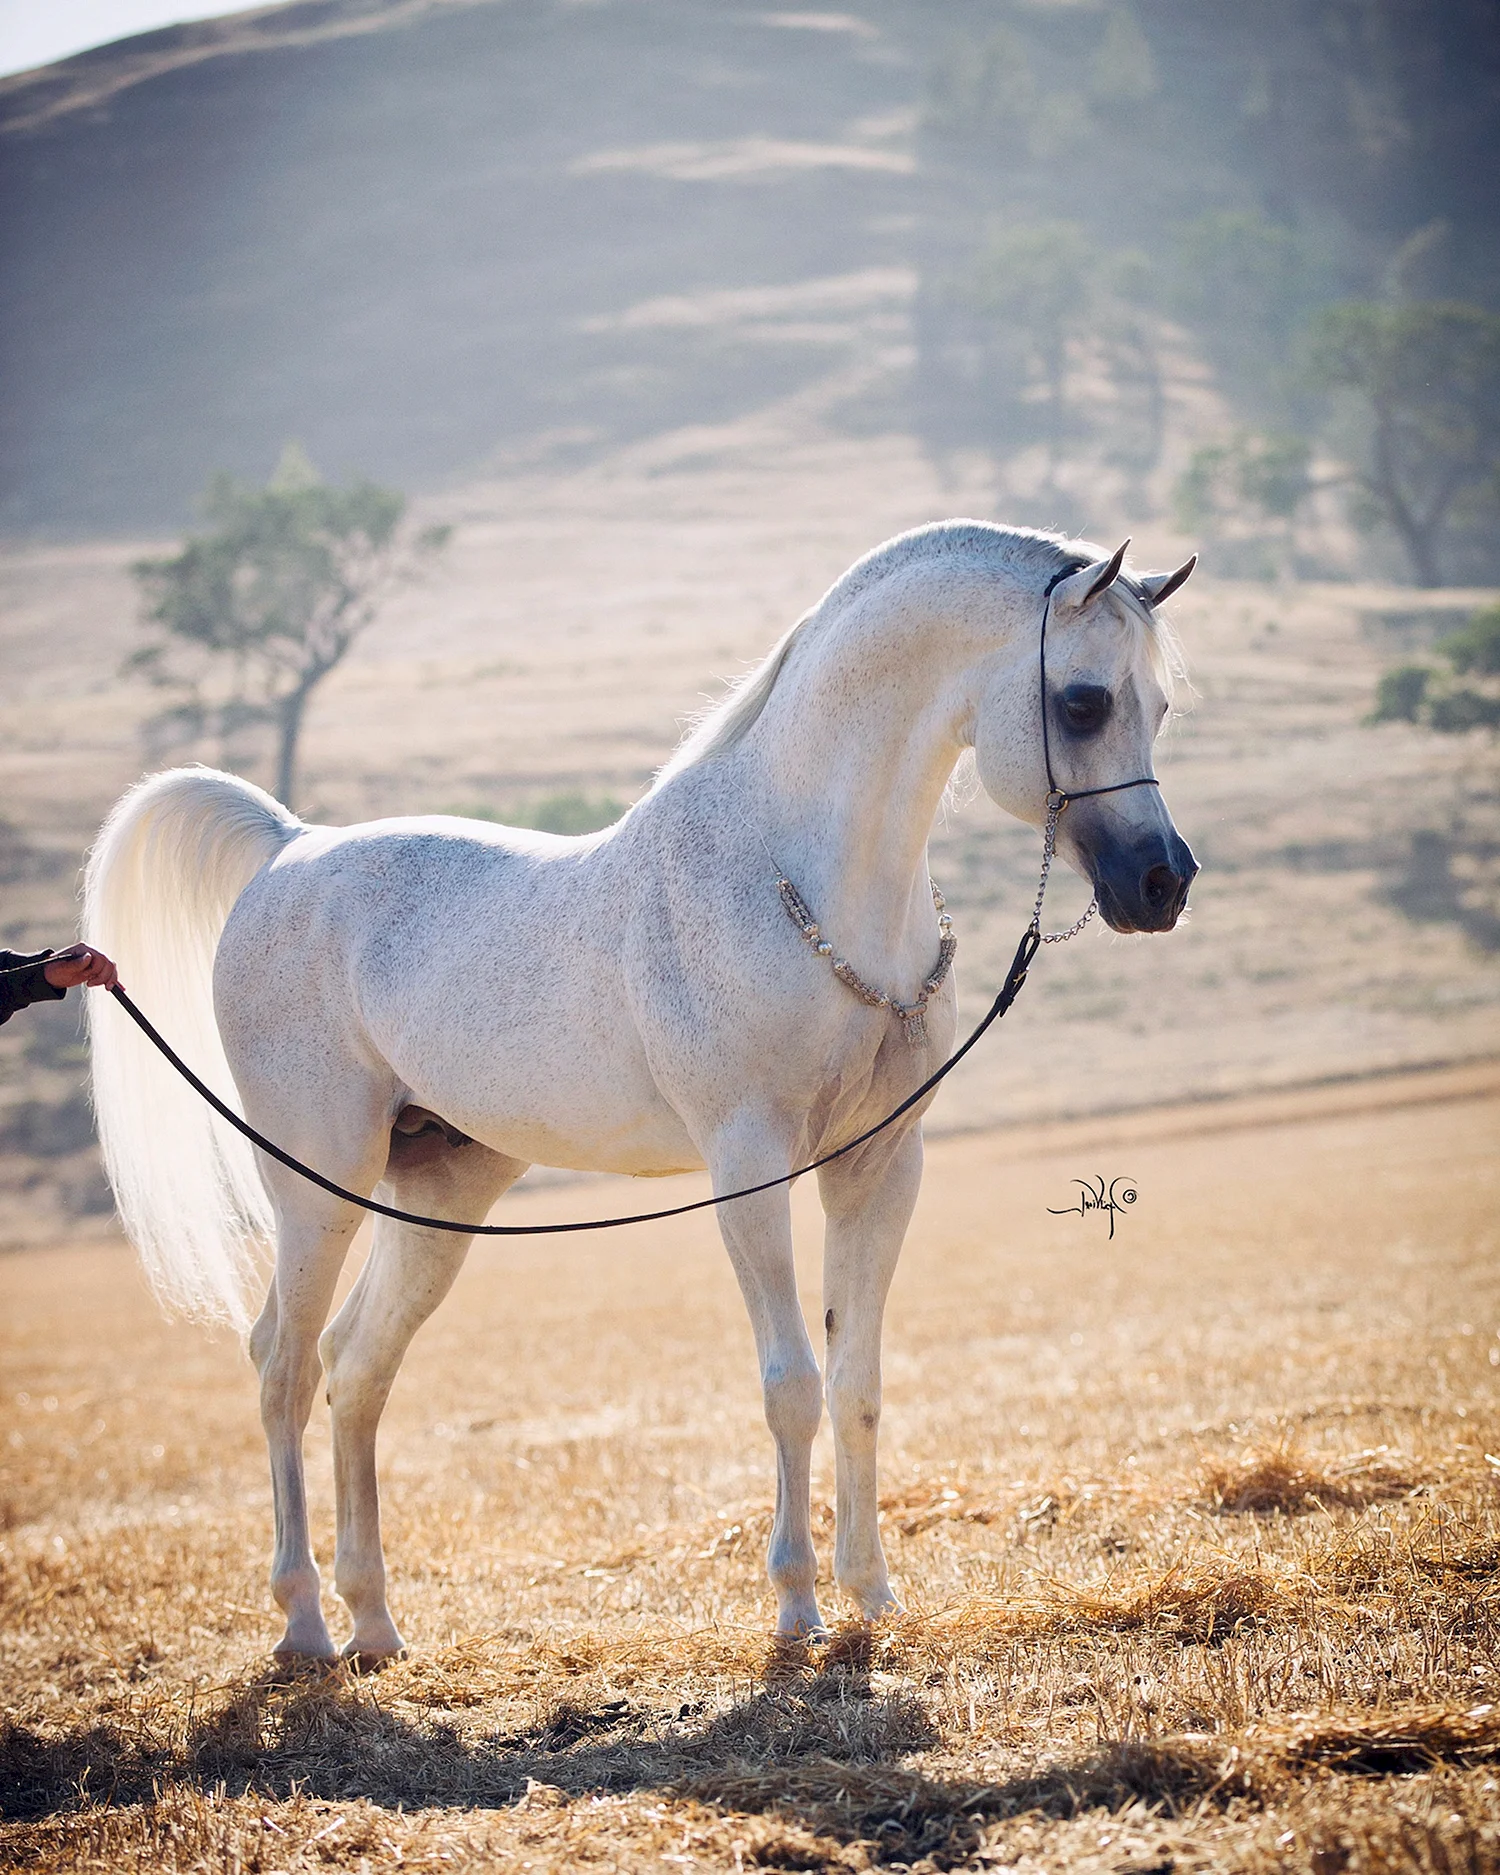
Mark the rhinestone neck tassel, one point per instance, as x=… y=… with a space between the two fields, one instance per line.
x=914 y=1014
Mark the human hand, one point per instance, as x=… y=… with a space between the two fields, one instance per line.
x=80 y=965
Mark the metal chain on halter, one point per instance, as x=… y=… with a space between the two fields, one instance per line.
x=1056 y=802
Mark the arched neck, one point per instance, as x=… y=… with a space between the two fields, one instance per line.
x=848 y=761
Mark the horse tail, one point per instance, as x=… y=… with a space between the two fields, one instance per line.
x=175 y=853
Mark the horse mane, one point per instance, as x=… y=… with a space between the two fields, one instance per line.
x=1032 y=556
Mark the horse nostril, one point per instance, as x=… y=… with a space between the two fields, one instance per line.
x=1159 y=886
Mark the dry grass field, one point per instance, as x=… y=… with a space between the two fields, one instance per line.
x=1197 y=1528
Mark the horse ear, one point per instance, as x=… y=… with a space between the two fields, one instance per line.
x=1073 y=593
x=1160 y=586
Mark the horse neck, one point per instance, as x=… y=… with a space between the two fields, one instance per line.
x=854 y=748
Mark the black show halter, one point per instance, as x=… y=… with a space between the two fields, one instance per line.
x=1015 y=977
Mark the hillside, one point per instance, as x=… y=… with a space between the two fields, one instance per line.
x=411 y=246
x=421 y=235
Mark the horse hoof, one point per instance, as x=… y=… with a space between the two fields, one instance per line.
x=359 y=1662
x=805 y=1633
x=361 y=1657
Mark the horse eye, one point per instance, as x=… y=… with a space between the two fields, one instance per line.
x=1085 y=707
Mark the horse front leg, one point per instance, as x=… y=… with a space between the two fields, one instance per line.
x=868 y=1199
x=407 y=1274
x=757 y=1233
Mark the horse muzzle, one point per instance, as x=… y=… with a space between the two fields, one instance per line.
x=1144 y=887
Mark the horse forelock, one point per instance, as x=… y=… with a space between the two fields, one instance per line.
x=1162 y=646
x=1033 y=557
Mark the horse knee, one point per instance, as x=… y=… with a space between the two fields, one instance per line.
x=854 y=1410
x=332 y=1343
x=360 y=1356
x=793 y=1402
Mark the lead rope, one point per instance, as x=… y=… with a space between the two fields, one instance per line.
x=1015 y=977
x=1031 y=941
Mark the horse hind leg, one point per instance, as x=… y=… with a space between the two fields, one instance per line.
x=344 y=1135
x=409 y=1271
x=312 y=1241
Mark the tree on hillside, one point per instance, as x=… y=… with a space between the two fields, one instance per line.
x=251 y=615
x=1425 y=378
x=1453 y=873
x=1244 y=284
x=987 y=91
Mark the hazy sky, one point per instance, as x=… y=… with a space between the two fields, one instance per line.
x=35 y=32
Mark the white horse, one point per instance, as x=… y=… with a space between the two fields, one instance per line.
x=636 y=1000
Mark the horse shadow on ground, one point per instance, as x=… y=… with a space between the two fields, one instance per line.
x=813 y=1746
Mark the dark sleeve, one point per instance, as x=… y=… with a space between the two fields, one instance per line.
x=22 y=981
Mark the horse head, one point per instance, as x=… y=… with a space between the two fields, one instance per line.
x=1095 y=687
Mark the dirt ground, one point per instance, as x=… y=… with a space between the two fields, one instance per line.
x=1197 y=1527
